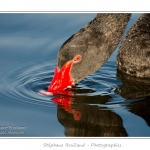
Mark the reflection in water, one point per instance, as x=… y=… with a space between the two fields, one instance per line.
x=84 y=115
x=134 y=88
x=142 y=109
x=81 y=119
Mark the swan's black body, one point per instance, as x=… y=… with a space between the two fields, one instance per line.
x=134 y=54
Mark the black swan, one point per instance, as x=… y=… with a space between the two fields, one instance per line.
x=88 y=49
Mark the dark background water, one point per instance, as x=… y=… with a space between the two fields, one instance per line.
x=105 y=103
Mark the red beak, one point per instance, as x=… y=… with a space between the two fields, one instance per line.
x=62 y=78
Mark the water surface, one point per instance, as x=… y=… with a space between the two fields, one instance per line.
x=105 y=103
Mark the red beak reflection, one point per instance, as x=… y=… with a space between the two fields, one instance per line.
x=65 y=101
x=62 y=78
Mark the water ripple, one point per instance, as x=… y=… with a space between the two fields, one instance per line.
x=25 y=86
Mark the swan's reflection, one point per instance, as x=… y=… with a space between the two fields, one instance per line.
x=132 y=89
x=84 y=115
x=142 y=109
x=80 y=118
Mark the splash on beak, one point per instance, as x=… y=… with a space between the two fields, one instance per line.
x=62 y=78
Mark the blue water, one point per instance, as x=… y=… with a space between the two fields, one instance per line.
x=104 y=104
